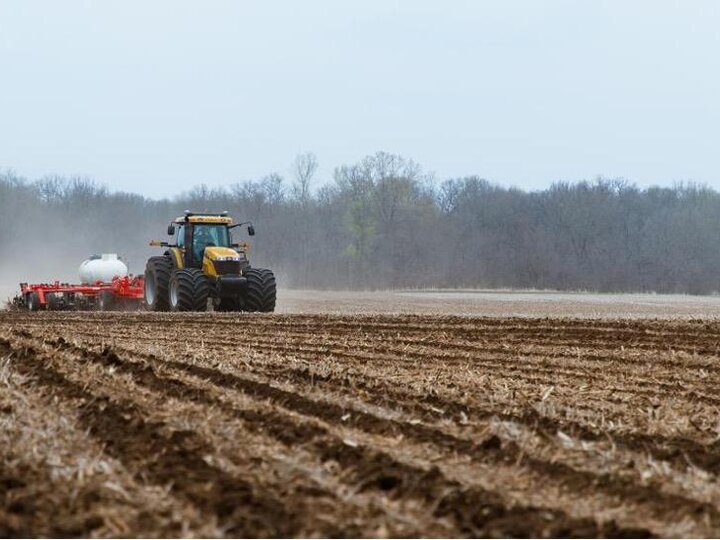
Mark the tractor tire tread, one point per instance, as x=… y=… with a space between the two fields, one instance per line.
x=193 y=290
x=161 y=268
x=261 y=291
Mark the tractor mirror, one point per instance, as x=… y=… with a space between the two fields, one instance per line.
x=251 y=230
x=171 y=230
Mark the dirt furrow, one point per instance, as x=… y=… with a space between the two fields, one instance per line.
x=655 y=381
x=385 y=425
x=485 y=512
x=428 y=406
x=580 y=481
x=169 y=457
x=679 y=446
x=450 y=327
x=57 y=482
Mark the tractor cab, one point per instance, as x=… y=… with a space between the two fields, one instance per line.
x=201 y=236
x=194 y=233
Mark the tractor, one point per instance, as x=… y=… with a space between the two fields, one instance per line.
x=205 y=265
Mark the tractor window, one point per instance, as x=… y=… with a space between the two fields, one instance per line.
x=181 y=236
x=209 y=235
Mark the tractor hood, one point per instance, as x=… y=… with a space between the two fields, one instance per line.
x=221 y=261
x=221 y=254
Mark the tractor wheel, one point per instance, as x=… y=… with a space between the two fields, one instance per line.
x=157 y=283
x=189 y=290
x=106 y=301
x=53 y=302
x=33 y=302
x=260 y=292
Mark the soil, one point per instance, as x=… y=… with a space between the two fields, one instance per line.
x=500 y=303
x=287 y=425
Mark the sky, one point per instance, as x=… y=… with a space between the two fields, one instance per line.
x=157 y=97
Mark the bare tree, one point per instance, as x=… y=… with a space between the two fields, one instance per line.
x=304 y=169
x=379 y=224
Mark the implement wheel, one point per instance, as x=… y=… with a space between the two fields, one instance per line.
x=106 y=301
x=53 y=302
x=33 y=302
x=157 y=283
x=189 y=290
x=261 y=291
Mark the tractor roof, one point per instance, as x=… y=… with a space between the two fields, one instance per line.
x=190 y=217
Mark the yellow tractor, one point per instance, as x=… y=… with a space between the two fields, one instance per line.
x=204 y=264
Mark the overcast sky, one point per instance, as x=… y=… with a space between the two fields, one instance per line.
x=155 y=97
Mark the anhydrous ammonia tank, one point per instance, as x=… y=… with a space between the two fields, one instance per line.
x=102 y=268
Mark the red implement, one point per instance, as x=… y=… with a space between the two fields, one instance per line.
x=126 y=290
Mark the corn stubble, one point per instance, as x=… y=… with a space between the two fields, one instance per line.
x=141 y=424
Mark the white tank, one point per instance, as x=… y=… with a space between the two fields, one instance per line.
x=102 y=268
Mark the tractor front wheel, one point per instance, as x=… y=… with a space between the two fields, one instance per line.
x=189 y=290
x=260 y=293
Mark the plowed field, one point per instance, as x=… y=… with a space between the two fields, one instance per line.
x=133 y=424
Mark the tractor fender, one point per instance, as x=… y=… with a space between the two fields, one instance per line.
x=175 y=255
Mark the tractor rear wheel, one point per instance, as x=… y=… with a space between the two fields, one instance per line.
x=189 y=290
x=260 y=292
x=157 y=283
x=106 y=301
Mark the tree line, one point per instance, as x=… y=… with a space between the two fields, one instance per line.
x=385 y=223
